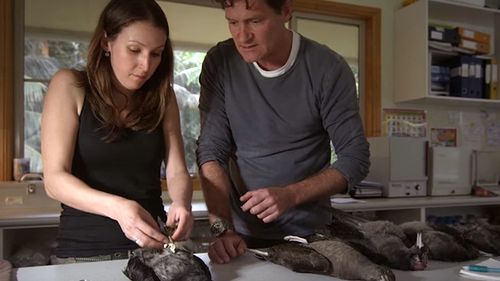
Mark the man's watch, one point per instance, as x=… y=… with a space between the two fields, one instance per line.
x=220 y=226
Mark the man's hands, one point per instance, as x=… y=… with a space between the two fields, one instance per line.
x=268 y=203
x=226 y=247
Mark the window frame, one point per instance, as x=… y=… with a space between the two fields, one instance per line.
x=9 y=29
x=370 y=65
x=39 y=34
x=294 y=25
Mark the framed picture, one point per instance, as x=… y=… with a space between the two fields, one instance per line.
x=444 y=137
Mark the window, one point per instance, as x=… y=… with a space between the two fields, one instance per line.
x=43 y=57
x=187 y=91
x=327 y=30
x=369 y=49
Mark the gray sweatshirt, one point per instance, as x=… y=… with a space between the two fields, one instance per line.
x=269 y=132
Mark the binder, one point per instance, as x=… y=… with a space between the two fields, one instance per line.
x=443 y=34
x=459 y=76
x=494 y=79
x=440 y=79
x=487 y=78
x=475 y=78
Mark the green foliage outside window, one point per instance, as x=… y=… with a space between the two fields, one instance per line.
x=42 y=58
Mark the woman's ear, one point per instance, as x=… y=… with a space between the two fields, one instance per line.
x=104 y=42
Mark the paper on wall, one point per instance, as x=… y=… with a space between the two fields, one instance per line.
x=493 y=133
x=472 y=129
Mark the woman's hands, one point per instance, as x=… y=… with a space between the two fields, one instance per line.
x=180 y=215
x=138 y=225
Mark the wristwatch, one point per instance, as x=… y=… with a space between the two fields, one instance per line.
x=220 y=226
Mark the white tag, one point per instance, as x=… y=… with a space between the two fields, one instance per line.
x=13 y=200
x=436 y=35
x=468 y=33
x=487 y=74
x=469 y=44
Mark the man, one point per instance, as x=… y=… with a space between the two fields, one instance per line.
x=271 y=101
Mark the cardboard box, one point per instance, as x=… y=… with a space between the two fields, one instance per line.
x=473 y=35
x=478 y=47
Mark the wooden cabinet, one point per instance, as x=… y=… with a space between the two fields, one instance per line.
x=412 y=58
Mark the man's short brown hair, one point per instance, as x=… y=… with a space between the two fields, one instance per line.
x=276 y=5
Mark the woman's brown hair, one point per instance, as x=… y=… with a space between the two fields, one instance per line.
x=147 y=106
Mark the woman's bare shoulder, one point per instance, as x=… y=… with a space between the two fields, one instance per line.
x=65 y=86
x=65 y=77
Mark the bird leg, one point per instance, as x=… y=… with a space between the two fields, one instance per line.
x=257 y=252
x=292 y=238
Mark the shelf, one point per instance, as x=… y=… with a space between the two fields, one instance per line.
x=381 y=204
x=412 y=57
x=404 y=209
x=473 y=7
x=456 y=101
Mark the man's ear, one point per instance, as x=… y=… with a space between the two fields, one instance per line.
x=287 y=10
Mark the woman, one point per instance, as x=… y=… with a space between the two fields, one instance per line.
x=105 y=132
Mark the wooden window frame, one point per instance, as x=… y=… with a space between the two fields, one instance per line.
x=6 y=88
x=371 y=81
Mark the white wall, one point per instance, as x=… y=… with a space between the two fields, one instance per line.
x=387 y=8
x=438 y=116
x=81 y=16
x=209 y=28
x=58 y=14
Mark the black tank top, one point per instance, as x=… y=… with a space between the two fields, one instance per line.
x=129 y=167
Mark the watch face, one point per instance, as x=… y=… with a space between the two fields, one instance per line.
x=218 y=227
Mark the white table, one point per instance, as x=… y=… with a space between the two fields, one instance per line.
x=244 y=268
